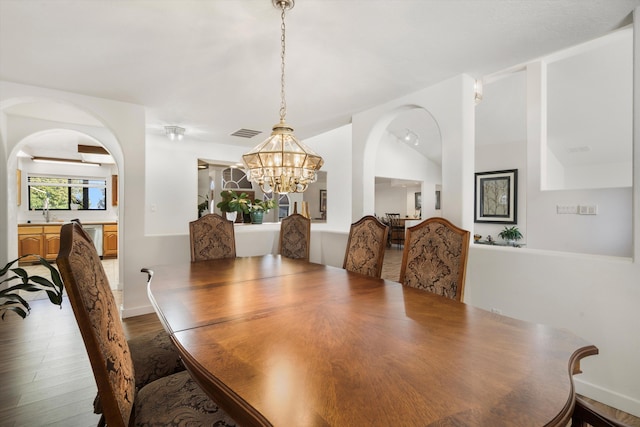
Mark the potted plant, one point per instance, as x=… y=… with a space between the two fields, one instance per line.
x=510 y=234
x=10 y=299
x=232 y=203
x=258 y=208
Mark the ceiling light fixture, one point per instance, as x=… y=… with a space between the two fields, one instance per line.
x=282 y=163
x=477 y=92
x=64 y=161
x=174 y=132
x=411 y=137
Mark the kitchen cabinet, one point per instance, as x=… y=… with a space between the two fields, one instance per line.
x=51 y=242
x=41 y=240
x=44 y=240
x=30 y=241
x=110 y=240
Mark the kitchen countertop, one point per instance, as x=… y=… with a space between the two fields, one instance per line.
x=61 y=222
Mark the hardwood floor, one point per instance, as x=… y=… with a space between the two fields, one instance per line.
x=45 y=371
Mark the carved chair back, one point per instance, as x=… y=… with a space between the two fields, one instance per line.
x=295 y=236
x=366 y=246
x=212 y=237
x=98 y=318
x=435 y=258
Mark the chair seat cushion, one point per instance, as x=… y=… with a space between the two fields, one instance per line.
x=154 y=356
x=177 y=400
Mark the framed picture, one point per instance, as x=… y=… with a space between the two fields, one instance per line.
x=497 y=197
x=323 y=200
x=437 y=199
x=418 y=200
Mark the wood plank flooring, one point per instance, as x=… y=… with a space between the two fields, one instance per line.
x=46 y=378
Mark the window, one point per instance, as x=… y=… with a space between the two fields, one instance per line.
x=235 y=178
x=64 y=193
x=283 y=204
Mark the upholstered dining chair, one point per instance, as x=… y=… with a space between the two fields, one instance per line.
x=295 y=236
x=366 y=246
x=396 y=229
x=169 y=400
x=212 y=237
x=585 y=414
x=153 y=354
x=435 y=258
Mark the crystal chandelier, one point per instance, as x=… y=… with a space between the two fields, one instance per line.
x=282 y=163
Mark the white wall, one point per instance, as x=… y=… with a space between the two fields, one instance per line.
x=336 y=150
x=596 y=297
x=601 y=175
x=496 y=157
x=538 y=220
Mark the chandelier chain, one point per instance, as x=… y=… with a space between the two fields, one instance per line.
x=283 y=102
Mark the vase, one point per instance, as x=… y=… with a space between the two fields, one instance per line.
x=231 y=216
x=256 y=217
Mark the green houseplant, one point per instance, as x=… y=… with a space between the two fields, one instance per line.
x=232 y=203
x=258 y=208
x=510 y=234
x=10 y=299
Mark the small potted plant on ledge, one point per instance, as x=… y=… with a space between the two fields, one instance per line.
x=232 y=203
x=258 y=208
x=511 y=235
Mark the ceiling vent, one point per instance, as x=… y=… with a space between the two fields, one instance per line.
x=246 y=133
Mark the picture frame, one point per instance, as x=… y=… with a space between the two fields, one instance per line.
x=323 y=200
x=437 y=200
x=496 y=197
x=417 y=200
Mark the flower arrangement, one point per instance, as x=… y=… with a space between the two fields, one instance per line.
x=232 y=202
x=262 y=205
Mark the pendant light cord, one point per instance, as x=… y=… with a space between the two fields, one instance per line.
x=283 y=102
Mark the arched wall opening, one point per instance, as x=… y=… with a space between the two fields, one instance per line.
x=408 y=164
x=32 y=121
x=451 y=103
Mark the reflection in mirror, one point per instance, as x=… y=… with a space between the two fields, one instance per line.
x=589 y=122
x=316 y=196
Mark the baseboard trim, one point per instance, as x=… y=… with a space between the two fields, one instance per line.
x=608 y=397
x=136 y=311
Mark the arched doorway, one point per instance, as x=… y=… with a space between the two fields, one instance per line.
x=408 y=165
x=60 y=147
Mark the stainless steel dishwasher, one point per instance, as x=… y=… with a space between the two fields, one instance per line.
x=95 y=232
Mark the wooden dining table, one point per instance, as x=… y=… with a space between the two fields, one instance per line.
x=283 y=342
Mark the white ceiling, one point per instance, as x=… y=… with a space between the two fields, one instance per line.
x=212 y=66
